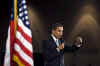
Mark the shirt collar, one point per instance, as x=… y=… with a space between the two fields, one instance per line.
x=54 y=38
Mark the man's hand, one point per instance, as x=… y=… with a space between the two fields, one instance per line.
x=61 y=46
x=78 y=41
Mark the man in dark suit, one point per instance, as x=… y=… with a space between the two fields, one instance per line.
x=53 y=47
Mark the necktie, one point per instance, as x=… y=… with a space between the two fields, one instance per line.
x=57 y=42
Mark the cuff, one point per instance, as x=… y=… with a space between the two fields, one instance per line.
x=58 y=49
x=78 y=45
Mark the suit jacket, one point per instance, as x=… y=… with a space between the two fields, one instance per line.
x=51 y=56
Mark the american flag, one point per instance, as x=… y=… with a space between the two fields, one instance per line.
x=19 y=49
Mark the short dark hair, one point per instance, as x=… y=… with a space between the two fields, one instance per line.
x=54 y=26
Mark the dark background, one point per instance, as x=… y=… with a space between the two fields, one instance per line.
x=43 y=13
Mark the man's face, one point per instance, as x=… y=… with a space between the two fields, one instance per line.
x=58 y=32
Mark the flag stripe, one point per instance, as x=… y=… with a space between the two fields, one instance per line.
x=7 y=54
x=29 y=39
x=23 y=41
x=24 y=28
x=21 y=59
x=24 y=48
x=23 y=55
x=12 y=39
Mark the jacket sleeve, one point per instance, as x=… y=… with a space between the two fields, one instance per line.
x=72 y=48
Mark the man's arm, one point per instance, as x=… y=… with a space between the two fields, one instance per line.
x=77 y=45
x=72 y=48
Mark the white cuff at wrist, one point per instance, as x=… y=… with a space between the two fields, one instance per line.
x=58 y=49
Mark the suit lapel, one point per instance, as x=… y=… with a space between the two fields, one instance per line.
x=52 y=41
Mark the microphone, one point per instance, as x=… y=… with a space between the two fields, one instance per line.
x=62 y=40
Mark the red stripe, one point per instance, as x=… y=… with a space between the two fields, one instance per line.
x=21 y=59
x=29 y=39
x=12 y=35
x=24 y=48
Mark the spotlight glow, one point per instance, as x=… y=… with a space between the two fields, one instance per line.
x=86 y=23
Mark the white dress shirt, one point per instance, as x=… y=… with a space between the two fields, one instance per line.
x=56 y=41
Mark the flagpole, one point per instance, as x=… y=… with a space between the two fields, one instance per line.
x=15 y=28
x=15 y=15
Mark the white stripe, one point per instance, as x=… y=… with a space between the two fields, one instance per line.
x=23 y=41
x=23 y=55
x=7 y=53
x=24 y=28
